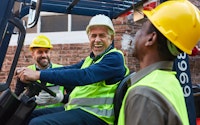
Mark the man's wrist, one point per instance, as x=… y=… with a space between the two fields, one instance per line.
x=37 y=75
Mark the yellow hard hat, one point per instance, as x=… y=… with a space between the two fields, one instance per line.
x=101 y=20
x=41 y=41
x=178 y=21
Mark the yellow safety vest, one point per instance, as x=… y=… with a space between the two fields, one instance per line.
x=170 y=84
x=33 y=67
x=96 y=98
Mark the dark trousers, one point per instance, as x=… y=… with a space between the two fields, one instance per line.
x=58 y=116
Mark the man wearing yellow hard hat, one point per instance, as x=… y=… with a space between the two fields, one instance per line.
x=156 y=96
x=40 y=50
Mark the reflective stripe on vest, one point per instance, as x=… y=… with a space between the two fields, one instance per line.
x=108 y=112
x=178 y=102
x=91 y=101
x=96 y=98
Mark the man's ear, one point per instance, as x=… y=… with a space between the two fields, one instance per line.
x=151 y=39
x=112 y=37
x=32 y=52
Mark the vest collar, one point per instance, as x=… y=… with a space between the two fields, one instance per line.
x=163 y=65
x=38 y=68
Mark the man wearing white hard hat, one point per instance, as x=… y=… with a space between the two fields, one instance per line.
x=96 y=79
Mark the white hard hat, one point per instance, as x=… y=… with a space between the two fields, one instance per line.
x=100 y=20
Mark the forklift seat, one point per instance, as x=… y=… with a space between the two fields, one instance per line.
x=119 y=95
x=196 y=94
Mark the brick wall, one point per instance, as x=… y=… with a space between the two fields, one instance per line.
x=64 y=54
x=67 y=54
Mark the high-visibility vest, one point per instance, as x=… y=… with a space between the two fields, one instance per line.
x=33 y=67
x=175 y=97
x=96 y=98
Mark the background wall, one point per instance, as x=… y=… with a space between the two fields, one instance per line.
x=67 y=54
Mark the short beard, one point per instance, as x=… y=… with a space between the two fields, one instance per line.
x=43 y=65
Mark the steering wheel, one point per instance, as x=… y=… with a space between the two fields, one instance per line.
x=34 y=88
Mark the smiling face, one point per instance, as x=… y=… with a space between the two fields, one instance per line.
x=99 y=39
x=41 y=57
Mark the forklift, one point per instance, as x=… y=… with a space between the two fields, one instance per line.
x=15 y=110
